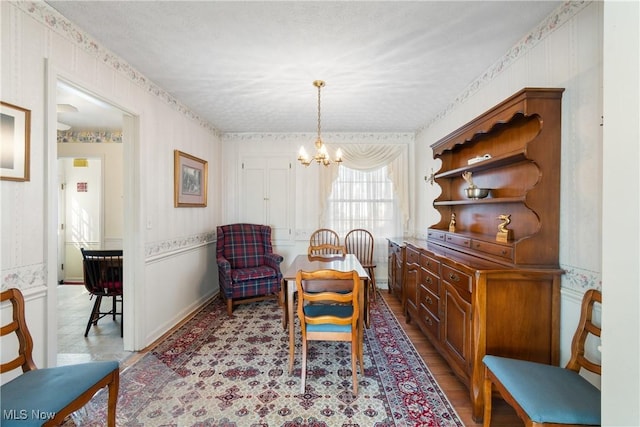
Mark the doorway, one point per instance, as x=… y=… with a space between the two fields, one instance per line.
x=89 y=155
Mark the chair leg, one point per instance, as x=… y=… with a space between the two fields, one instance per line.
x=303 y=371
x=229 y=306
x=113 y=307
x=360 y=357
x=487 y=401
x=93 y=319
x=354 y=356
x=113 y=398
x=121 y=318
x=372 y=283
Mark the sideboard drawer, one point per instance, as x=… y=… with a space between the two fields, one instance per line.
x=413 y=256
x=435 y=235
x=430 y=322
x=431 y=264
x=431 y=281
x=430 y=301
x=465 y=242
x=493 y=249
x=461 y=281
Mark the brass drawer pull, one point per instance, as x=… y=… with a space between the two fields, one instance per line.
x=428 y=321
x=454 y=277
x=429 y=301
x=429 y=280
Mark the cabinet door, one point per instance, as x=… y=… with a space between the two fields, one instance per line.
x=411 y=280
x=391 y=267
x=456 y=330
x=394 y=268
x=398 y=271
x=410 y=291
x=266 y=196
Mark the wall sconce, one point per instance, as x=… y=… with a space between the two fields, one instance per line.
x=430 y=178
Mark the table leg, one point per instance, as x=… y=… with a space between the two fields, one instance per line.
x=366 y=303
x=362 y=297
x=292 y=344
x=283 y=303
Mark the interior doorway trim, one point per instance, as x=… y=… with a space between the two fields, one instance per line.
x=133 y=246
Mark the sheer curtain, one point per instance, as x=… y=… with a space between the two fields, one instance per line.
x=369 y=190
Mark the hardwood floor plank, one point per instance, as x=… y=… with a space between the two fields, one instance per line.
x=457 y=393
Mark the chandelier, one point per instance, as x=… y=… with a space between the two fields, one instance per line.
x=321 y=156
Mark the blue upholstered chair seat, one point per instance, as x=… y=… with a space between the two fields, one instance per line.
x=548 y=393
x=28 y=401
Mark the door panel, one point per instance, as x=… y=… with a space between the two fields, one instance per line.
x=266 y=196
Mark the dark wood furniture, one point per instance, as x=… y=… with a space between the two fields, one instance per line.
x=103 y=279
x=544 y=395
x=395 y=265
x=47 y=396
x=469 y=292
x=522 y=136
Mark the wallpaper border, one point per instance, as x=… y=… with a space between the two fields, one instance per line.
x=334 y=138
x=166 y=247
x=25 y=277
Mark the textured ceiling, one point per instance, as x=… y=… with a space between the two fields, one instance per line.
x=249 y=66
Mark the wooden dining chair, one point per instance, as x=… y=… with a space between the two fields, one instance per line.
x=328 y=310
x=103 y=279
x=360 y=242
x=47 y=396
x=325 y=242
x=545 y=395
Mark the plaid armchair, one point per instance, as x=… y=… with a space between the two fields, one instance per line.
x=247 y=267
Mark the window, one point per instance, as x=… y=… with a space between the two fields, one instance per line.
x=366 y=200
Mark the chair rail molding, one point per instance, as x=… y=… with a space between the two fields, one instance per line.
x=155 y=251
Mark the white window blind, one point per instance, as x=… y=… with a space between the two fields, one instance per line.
x=365 y=199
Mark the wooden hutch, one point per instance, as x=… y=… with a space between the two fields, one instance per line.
x=475 y=291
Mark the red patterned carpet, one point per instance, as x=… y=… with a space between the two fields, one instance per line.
x=222 y=371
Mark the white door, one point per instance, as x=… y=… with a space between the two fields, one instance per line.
x=82 y=212
x=266 y=196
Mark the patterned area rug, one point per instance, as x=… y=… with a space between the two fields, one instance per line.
x=222 y=371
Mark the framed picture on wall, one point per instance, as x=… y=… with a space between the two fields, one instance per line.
x=190 y=180
x=15 y=130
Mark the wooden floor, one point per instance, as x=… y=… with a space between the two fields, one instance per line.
x=502 y=415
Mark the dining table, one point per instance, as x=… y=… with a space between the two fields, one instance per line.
x=305 y=262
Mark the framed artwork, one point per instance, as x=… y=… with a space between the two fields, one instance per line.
x=189 y=180
x=15 y=133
